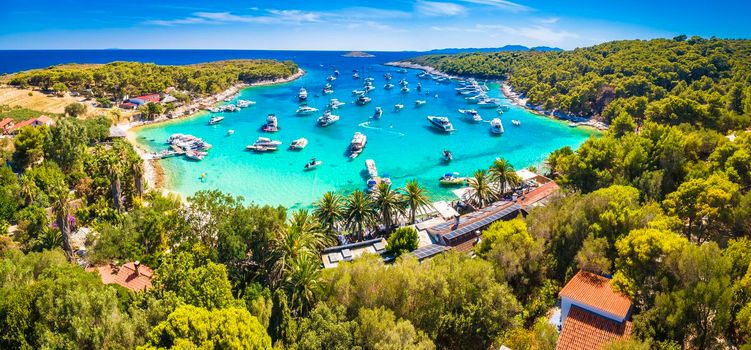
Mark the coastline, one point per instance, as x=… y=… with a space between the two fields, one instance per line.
x=153 y=172
x=509 y=93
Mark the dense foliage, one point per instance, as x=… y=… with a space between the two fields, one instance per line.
x=698 y=81
x=119 y=79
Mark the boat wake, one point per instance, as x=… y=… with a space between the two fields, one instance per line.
x=366 y=125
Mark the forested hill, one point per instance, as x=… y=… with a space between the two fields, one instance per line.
x=135 y=78
x=695 y=80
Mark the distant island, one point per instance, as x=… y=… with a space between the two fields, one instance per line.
x=357 y=54
x=493 y=49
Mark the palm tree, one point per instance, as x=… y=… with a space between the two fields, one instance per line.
x=504 y=174
x=136 y=169
x=303 y=236
x=303 y=282
x=328 y=210
x=389 y=204
x=114 y=169
x=29 y=189
x=482 y=192
x=61 y=206
x=415 y=197
x=359 y=213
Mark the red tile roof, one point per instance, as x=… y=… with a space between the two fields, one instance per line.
x=589 y=331
x=41 y=120
x=126 y=276
x=149 y=98
x=539 y=194
x=595 y=291
x=5 y=122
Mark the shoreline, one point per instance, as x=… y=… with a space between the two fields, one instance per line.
x=509 y=93
x=154 y=173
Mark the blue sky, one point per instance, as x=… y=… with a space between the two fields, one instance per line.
x=353 y=25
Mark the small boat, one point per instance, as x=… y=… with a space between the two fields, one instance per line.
x=403 y=82
x=358 y=92
x=447 y=156
x=355 y=76
x=424 y=75
x=388 y=86
x=572 y=125
x=488 y=103
x=336 y=72
x=328 y=90
x=362 y=100
x=331 y=78
x=369 y=88
x=216 y=120
x=387 y=76
x=195 y=155
x=271 y=124
x=245 y=103
x=402 y=70
x=516 y=122
x=420 y=103
x=327 y=119
x=214 y=110
x=372 y=170
x=450 y=179
x=419 y=87
x=441 y=123
x=264 y=144
x=314 y=163
x=378 y=113
x=298 y=144
x=471 y=114
x=306 y=110
x=405 y=89
x=398 y=107
x=230 y=132
x=496 y=126
x=303 y=94
x=504 y=107
x=357 y=144
x=369 y=80
x=335 y=103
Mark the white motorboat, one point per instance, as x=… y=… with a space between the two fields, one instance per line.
x=245 y=103
x=336 y=72
x=405 y=89
x=298 y=144
x=362 y=100
x=303 y=94
x=357 y=144
x=496 y=126
x=369 y=88
x=328 y=90
x=214 y=110
x=335 y=103
x=230 y=132
x=403 y=82
x=420 y=103
x=388 y=86
x=331 y=78
x=306 y=110
x=471 y=114
x=387 y=76
x=355 y=76
x=504 y=107
x=398 y=107
x=271 y=124
x=378 y=113
x=314 y=163
x=358 y=92
x=441 y=123
x=327 y=119
x=264 y=144
x=195 y=155
x=216 y=120
x=488 y=103
x=419 y=87
x=516 y=122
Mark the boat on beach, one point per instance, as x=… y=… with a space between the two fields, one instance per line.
x=471 y=114
x=298 y=144
x=357 y=144
x=306 y=110
x=216 y=120
x=327 y=119
x=452 y=179
x=442 y=123
x=271 y=124
x=496 y=126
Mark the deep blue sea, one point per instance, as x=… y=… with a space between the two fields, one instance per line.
x=403 y=144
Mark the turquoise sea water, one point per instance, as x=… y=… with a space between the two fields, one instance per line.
x=403 y=144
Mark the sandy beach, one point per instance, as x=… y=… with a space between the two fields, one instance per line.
x=153 y=172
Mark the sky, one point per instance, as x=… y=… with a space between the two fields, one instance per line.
x=386 y=25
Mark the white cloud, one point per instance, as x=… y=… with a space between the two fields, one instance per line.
x=541 y=34
x=503 y=4
x=551 y=20
x=434 y=8
x=174 y=22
